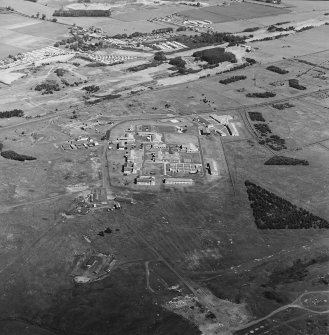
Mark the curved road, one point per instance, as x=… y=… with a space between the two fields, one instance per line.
x=298 y=303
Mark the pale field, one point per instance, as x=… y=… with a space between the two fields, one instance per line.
x=21 y=34
x=236 y=11
x=307 y=42
x=27 y=7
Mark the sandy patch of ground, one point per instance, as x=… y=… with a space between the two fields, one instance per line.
x=7 y=77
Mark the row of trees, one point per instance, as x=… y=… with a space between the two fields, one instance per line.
x=208 y=38
x=274 y=142
x=282 y=160
x=273 y=212
x=262 y=95
x=256 y=116
x=282 y=105
x=277 y=69
x=12 y=113
x=48 y=87
x=263 y=129
x=15 y=156
x=232 y=79
x=91 y=88
x=294 y=83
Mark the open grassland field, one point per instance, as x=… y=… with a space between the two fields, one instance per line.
x=6 y=50
x=310 y=41
x=116 y=26
x=46 y=29
x=21 y=34
x=27 y=7
x=238 y=11
x=143 y=14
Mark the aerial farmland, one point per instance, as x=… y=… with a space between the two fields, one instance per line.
x=164 y=167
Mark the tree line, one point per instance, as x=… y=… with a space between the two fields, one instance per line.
x=282 y=160
x=11 y=113
x=15 y=156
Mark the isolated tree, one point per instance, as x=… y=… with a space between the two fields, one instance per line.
x=43 y=16
x=160 y=56
x=54 y=20
x=177 y=61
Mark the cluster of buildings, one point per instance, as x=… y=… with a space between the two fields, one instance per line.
x=80 y=143
x=169 y=46
x=107 y=59
x=184 y=21
x=147 y=155
x=185 y=168
x=220 y=124
x=31 y=57
x=93 y=267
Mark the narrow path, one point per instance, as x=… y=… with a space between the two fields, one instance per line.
x=147 y=273
x=283 y=308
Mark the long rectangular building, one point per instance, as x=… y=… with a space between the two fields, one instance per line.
x=179 y=181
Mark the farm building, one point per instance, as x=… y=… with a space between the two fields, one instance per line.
x=90 y=262
x=185 y=167
x=178 y=181
x=204 y=131
x=129 y=137
x=145 y=180
x=223 y=119
x=98 y=195
x=190 y=147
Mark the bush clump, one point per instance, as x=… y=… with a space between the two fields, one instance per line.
x=276 y=69
x=294 y=83
x=262 y=95
x=263 y=128
x=215 y=56
x=251 y=61
x=48 y=87
x=91 y=88
x=282 y=106
x=60 y=72
x=250 y=30
x=232 y=79
x=178 y=62
x=160 y=56
x=256 y=116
